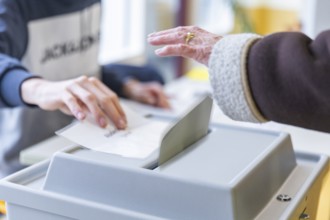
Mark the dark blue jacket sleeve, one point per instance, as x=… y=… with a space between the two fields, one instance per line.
x=115 y=75
x=13 y=40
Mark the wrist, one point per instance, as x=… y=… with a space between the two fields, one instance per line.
x=31 y=90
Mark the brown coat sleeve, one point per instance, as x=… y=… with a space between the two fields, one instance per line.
x=289 y=79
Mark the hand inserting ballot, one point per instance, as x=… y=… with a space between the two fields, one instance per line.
x=78 y=97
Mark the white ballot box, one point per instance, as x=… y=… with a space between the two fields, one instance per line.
x=198 y=172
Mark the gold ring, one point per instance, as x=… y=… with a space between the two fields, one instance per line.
x=188 y=37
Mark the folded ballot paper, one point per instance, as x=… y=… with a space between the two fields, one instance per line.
x=143 y=135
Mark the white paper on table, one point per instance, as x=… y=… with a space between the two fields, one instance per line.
x=141 y=137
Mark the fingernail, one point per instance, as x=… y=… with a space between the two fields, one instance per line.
x=158 y=51
x=122 y=124
x=102 y=122
x=125 y=120
x=80 y=115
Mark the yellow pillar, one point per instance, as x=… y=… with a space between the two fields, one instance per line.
x=2 y=207
x=323 y=212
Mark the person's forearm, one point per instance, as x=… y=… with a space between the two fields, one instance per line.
x=289 y=74
x=283 y=77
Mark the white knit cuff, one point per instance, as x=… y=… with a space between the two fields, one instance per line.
x=228 y=77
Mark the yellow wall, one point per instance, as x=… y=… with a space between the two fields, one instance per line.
x=266 y=20
x=266 y=16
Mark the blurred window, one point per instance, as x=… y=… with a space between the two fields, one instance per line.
x=123 y=29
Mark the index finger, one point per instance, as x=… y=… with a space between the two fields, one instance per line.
x=110 y=93
x=170 y=31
